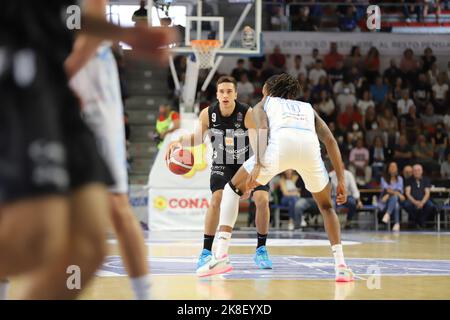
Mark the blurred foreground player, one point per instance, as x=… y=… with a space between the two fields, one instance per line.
x=295 y=130
x=53 y=201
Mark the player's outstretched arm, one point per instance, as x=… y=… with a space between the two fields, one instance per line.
x=327 y=138
x=193 y=139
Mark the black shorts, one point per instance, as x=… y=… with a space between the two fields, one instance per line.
x=222 y=174
x=45 y=147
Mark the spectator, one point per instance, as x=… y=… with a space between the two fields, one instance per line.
x=409 y=65
x=349 y=116
x=278 y=21
x=371 y=126
x=433 y=74
x=337 y=73
x=239 y=70
x=379 y=155
x=429 y=119
x=407 y=172
x=290 y=196
x=389 y=125
x=445 y=168
x=412 y=123
x=316 y=73
x=354 y=133
x=298 y=67
x=372 y=64
x=310 y=62
x=395 y=93
x=245 y=89
x=346 y=83
x=303 y=81
x=439 y=141
x=331 y=59
x=305 y=203
x=391 y=195
x=422 y=92
x=392 y=73
x=326 y=107
x=353 y=196
x=432 y=5
x=356 y=78
x=404 y=103
x=322 y=85
x=423 y=152
x=409 y=8
x=277 y=59
x=427 y=59
x=359 y=163
x=343 y=101
x=418 y=203
x=365 y=103
x=140 y=16
x=354 y=59
x=403 y=152
x=440 y=94
x=302 y=21
x=379 y=91
x=168 y=121
x=348 y=21
x=256 y=68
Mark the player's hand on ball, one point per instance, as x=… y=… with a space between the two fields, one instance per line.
x=341 y=193
x=173 y=146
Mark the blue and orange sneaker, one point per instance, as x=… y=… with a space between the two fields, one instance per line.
x=204 y=258
x=262 y=258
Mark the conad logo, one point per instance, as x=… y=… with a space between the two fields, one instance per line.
x=161 y=203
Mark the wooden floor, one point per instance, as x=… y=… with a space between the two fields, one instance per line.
x=411 y=266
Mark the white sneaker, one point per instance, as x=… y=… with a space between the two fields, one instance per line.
x=396 y=227
x=215 y=266
x=344 y=274
x=303 y=223
x=386 y=218
x=291 y=226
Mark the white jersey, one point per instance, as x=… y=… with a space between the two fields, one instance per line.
x=292 y=114
x=98 y=86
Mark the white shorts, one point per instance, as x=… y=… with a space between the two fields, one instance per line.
x=98 y=86
x=293 y=149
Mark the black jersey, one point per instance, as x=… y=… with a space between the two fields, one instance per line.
x=229 y=136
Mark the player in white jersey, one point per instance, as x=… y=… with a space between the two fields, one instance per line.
x=295 y=130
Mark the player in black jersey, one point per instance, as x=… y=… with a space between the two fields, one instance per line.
x=53 y=202
x=227 y=122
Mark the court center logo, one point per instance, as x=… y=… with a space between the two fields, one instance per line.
x=160 y=203
x=373 y=18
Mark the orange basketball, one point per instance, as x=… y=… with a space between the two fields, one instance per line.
x=181 y=161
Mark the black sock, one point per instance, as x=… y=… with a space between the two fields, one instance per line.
x=208 y=242
x=261 y=240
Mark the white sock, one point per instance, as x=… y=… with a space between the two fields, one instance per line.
x=223 y=243
x=141 y=287
x=4 y=285
x=338 y=255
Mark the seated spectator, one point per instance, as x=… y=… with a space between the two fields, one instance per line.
x=427 y=59
x=322 y=85
x=439 y=141
x=418 y=203
x=305 y=203
x=298 y=67
x=168 y=121
x=395 y=93
x=303 y=21
x=392 y=195
x=256 y=68
x=422 y=92
x=354 y=133
x=277 y=59
x=245 y=89
x=325 y=107
x=359 y=163
x=304 y=83
x=356 y=78
x=407 y=172
x=365 y=103
x=339 y=134
x=392 y=73
x=371 y=126
x=440 y=94
x=239 y=70
x=409 y=66
x=424 y=153
x=389 y=125
x=354 y=59
x=433 y=74
x=316 y=73
x=379 y=91
x=346 y=99
x=432 y=5
x=337 y=73
x=445 y=168
x=353 y=196
x=278 y=21
x=372 y=64
x=290 y=196
x=409 y=8
x=402 y=152
x=404 y=103
x=346 y=83
x=429 y=119
x=348 y=21
x=310 y=61
x=349 y=116
x=330 y=60
x=379 y=155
